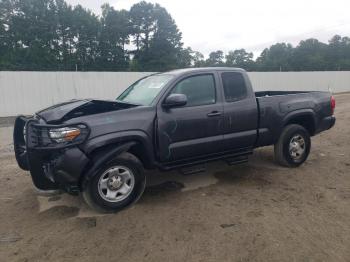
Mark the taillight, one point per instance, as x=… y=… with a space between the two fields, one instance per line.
x=332 y=104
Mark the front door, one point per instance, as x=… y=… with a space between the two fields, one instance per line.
x=195 y=129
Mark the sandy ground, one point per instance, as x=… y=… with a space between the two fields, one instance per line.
x=257 y=211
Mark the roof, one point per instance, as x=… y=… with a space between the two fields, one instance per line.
x=203 y=69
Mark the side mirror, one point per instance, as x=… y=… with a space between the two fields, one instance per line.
x=175 y=100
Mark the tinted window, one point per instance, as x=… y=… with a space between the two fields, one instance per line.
x=200 y=90
x=234 y=86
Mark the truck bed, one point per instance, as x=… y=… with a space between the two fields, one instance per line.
x=275 y=107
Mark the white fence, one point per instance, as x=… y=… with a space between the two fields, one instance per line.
x=336 y=81
x=27 y=92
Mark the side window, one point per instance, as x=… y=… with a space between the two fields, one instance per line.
x=234 y=86
x=200 y=90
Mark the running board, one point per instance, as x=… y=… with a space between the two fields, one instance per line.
x=236 y=160
x=192 y=170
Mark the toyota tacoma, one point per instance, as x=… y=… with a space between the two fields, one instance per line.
x=174 y=120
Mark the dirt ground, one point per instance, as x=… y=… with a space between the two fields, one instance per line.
x=257 y=211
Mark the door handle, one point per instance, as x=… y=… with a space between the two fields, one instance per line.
x=214 y=113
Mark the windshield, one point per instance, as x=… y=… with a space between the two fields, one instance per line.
x=145 y=90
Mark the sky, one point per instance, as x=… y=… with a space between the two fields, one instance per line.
x=253 y=25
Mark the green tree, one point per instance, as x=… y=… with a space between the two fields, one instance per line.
x=216 y=58
x=198 y=59
x=5 y=37
x=116 y=28
x=276 y=58
x=338 y=53
x=64 y=42
x=143 y=22
x=240 y=58
x=49 y=35
x=85 y=30
x=158 y=40
x=186 y=57
x=310 y=55
x=32 y=32
x=52 y=35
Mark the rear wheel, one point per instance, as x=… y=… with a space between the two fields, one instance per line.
x=293 y=146
x=116 y=185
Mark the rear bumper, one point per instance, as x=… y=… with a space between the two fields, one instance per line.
x=50 y=169
x=326 y=123
x=331 y=121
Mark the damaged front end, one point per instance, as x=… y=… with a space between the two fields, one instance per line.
x=51 y=152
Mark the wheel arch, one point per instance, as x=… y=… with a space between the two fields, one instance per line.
x=305 y=118
x=107 y=147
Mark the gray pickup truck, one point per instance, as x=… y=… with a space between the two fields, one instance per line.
x=174 y=120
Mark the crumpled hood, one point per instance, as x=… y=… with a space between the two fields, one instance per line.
x=77 y=108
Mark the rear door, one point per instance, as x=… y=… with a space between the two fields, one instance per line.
x=195 y=129
x=240 y=111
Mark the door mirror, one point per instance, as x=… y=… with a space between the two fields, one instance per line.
x=175 y=100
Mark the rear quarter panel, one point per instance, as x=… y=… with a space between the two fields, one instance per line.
x=276 y=111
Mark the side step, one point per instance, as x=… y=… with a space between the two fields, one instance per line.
x=199 y=161
x=190 y=170
x=236 y=160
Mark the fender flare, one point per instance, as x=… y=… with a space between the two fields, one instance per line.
x=299 y=113
x=103 y=156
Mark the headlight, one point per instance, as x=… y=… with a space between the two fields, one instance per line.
x=66 y=134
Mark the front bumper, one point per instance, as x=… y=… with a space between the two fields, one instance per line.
x=50 y=168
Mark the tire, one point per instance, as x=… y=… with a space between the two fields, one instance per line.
x=116 y=185
x=293 y=146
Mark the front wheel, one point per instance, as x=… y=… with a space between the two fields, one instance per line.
x=116 y=185
x=293 y=146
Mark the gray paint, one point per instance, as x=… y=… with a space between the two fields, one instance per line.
x=163 y=137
